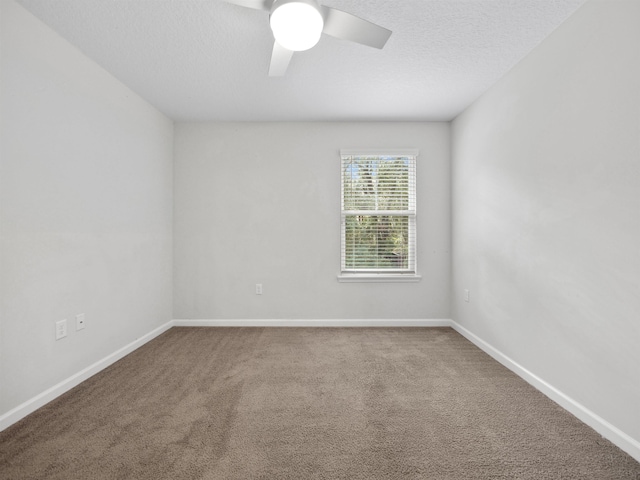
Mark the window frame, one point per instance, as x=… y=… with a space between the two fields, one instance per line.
x=379 y=275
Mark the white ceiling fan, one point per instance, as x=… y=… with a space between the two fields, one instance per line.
x=298 y=24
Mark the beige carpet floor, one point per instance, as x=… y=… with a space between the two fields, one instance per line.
x=307 y=403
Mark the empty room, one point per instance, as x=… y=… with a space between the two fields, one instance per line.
x=319 y=239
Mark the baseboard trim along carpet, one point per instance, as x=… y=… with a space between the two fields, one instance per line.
x=443 y=322
x=311 y=403
x=24 y=409
x=600 y=425
x=604 y=428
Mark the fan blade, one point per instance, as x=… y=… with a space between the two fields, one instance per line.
x=280 y=58
x=346 y=26
x=256 y=4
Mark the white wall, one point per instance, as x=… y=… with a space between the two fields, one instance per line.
x=546 y=212
x=260 y=203
x=86 y=180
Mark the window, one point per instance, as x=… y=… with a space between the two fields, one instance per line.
x=378 y=216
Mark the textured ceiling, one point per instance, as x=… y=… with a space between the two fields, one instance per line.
x=208 y=60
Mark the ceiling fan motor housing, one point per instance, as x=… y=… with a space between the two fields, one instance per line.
x=296 y=24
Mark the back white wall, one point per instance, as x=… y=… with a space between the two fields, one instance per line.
x=260 y=203
x=546 y=213
x=85 y=219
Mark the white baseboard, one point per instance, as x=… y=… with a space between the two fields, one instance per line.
x=314 y=323
x=604 y=428
x=600 y=425
x=31 y=405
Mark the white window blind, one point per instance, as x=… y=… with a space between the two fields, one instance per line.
x=378 y=212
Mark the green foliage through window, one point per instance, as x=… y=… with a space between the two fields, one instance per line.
x=378 y=213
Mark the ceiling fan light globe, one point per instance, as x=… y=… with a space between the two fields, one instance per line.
x=297 y=26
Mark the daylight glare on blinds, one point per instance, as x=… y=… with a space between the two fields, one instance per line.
x=378 y=213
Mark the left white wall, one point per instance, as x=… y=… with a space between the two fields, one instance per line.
x=85 y=210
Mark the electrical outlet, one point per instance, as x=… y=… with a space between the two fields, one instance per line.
x=258 y=289
x=61 y=329
x=80 y=321
x=466 y=295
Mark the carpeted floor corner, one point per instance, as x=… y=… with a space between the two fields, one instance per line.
x=307 y=403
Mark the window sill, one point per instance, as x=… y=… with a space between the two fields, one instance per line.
x=378 y=278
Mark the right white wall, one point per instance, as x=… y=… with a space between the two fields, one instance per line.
x=546 y=215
